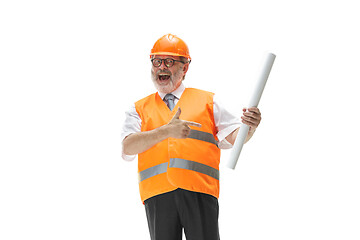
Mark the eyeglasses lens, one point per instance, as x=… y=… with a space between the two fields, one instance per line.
x=168 y=62
x=156 y=62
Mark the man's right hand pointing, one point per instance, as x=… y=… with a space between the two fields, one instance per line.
x=180 y=128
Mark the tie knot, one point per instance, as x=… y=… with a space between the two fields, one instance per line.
x=169 y=97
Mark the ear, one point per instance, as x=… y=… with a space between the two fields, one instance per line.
x=185 y=68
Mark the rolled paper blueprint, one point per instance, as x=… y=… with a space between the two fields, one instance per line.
x=254 y=101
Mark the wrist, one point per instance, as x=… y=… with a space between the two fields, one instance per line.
x=163 y=132
x=252 y=130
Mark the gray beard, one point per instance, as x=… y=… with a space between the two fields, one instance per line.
x=171 y=86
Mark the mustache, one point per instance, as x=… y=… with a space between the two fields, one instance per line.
x=163 y=71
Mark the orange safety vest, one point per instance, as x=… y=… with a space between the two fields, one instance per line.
x=191 y=163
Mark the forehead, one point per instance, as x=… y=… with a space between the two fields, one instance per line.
x=166 y=56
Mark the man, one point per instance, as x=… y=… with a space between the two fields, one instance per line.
x=177 y=133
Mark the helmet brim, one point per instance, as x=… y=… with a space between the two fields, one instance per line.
x=169 y=54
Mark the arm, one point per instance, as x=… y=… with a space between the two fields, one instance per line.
x=232 y=136
x=252 y=117
x=139 y=142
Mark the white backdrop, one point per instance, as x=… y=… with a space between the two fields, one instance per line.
x=70 y=69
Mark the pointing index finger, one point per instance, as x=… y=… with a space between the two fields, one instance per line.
x=192 y=123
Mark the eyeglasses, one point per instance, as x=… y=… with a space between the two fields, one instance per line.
x=169 y=62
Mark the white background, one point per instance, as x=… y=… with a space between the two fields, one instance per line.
x=70 y=69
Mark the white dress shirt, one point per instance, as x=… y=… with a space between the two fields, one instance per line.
x=225 y=122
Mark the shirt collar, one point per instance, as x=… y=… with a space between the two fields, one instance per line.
x=177 y=92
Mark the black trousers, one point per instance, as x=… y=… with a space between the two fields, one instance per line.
x=196 y=213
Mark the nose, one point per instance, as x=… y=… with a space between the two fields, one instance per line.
x=163 y=66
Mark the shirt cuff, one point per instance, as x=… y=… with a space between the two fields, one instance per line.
x=123 y=155
x=223 y=143
x=128 y=158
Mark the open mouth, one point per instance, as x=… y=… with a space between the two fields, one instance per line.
x=164 y=77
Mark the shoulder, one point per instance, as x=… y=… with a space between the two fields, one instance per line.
x=146 y=99
x=201 y=97
x=199 y=91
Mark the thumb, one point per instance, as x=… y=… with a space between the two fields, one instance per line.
x=177 y=114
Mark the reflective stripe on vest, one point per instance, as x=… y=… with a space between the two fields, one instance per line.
x=203 y=136
x=194 y=166
x=179 y=163
x=153 y=171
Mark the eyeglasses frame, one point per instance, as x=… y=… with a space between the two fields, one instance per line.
x=163 y=60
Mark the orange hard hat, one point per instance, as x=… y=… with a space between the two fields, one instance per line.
x=172 y=45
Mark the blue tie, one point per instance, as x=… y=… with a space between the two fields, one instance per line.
x=169 y=98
